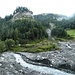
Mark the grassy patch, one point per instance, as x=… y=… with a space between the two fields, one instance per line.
x=29 y=45
x=42 y=46
x=16 y=49
x=71 y=32
x=60 y=39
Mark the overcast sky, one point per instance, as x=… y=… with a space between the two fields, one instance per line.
x=65 y=7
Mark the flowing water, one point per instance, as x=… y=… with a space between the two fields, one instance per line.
x=42 y=69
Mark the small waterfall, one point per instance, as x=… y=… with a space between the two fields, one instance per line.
x=48 y=32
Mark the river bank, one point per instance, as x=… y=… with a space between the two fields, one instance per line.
x=58 y=62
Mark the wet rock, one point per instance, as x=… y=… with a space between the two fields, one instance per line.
x=73 y=67
x=9 y=66
x=43 y=61
x=64 y=58
x=64 y=66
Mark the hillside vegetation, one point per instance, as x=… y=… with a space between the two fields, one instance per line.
x=17 y=33
x=19 y=30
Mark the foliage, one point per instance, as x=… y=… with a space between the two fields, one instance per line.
x=23 y=30
x=42 y=46
x=2 y=46
x=9 y=43
x=29 y=45
x=16 y=49
x=59 y=32
x=46 y=47
x=67 y=23
x=71 y=32
x=7 y=18
x=21 y=9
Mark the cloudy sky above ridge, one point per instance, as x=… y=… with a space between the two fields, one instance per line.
x=65 y=7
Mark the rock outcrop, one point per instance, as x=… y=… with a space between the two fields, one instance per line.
x=22 y=15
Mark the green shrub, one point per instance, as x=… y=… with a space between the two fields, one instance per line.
x=2 y=46
x=9 y=43
x=59 y=32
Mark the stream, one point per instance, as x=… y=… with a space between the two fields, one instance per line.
x=43 y=69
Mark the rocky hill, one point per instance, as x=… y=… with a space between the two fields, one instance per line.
x=22 y=13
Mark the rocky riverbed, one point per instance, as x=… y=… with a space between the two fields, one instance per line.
x=60 y=62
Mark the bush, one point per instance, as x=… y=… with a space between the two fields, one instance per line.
x=2 y=46
x=59 y=32
x=9 y=43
